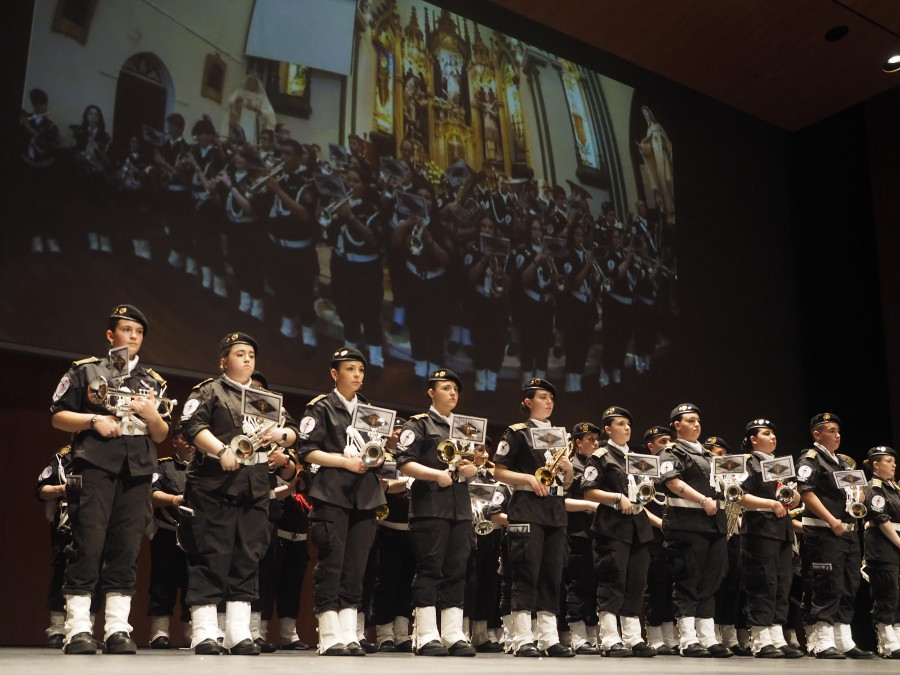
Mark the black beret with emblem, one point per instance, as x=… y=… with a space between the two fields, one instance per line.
x=131 y=313
x=615 y=411
x=347 y=354
x=881 y=450
x=538 y=383
x=682 y=409
x=758 y=423
x=713 y=441
x=656 y=432
x=444 y=375
x=399 y=421
x=259 y=377
x=583 y=428
x=237 y=339
x=824 y=418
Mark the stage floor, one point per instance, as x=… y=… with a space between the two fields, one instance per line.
x=14 y=660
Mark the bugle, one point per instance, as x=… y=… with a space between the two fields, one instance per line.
x=370 y=452
x=547 y=473
x=244 y=445
x=327 y=215
x=99 y=392
x=260 y=185
x=785 y=495
x=449 y=453
x=855 y=498
x=480 y=519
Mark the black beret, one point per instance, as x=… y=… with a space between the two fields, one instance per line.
x=881 y=450
x=131 y=313
x=583 y=428
x=759 y=423
x=538 y=383
x=237 y=339
x=824 y=418
x=615 y=411
x=656 y=432
x=682 y=409
x=399 y=421
x=716 y=440
x=259 y=377
x=347 y=354
x=444 y=375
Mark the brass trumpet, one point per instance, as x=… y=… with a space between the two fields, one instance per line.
x=547 y=473
x=499 y=278
x=480 y=519
x=259 y=186
x=559 y=281
x=855 y=506
x=733 y=493
x=449 y=453
x=371 y=452
x=382 y=512
x=327 y=215
x=414 y=243
x=785 y=495
x=243 y=446
x=99 y=391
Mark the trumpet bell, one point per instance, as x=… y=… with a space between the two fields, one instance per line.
x=785 y=495
x=447 y=452
x=857 y=510
x=645 y=492
x=372 y=455
x=483 y=527
x=382 y=512
x=242 y=447
x=545 y=476
x=733 y=493
x=97 y=390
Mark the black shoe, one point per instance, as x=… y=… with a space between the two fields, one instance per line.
x=405 y=647
x=643 y=650
x=830 y=653
x=208 y=647
x=489 y=647
x=528 y=649
x=737 y=650
x=792 y=652
x=387 y=647
x=120 y=643
x=368 y=646
x=339 y=649
x=587 y=649
x=296 y=645
x=558 y=651
x=433 y=648
x=769 y=652
x=719 y=651
x=81 y=643
x=857 y=653
x=56 y=641
x=245 y=647
x=695 y=650
x=160 y=642
x=265 y=647
x=355 y=649
x=893 y=655
x=666 y=651
x=461 y=648
x=617 y=651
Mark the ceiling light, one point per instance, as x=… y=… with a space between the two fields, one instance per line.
x=836 y=33
x=892 y=65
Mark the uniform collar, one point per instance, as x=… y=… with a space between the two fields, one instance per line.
x=692 y=445
x=830 y=455
x=349 y=405
x=434 y=411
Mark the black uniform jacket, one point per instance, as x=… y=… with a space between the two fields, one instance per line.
x=763 y=523
x=678 y=460
x=418 y=443
x=109 y=454
x=884 y=506
x=815 y=473
x=516 y=453
x=579 y=521
x=606 y=470
x=324 y=427
x=170 y=478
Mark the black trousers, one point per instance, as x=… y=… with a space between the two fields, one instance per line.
x=730 y=596
x=618 y=319
x=581 y=586
x=483 y=580
x=536 y=561
x=357 y=290
x=168 y=575
x=343 y=538
x=579 y=333
x=225 y=540
x=831 y=575
x=488 y=319
x=394 y=572
x=108 y=514
x=280 y=591
x=767 y=571
x=658 y=598
x=441 y=547
x=621 y=571
x=697 y=562
x=535 y=324
x=883 y=586
x=293 y=274
x=427 y=315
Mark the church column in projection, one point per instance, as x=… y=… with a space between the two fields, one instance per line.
x=416 y=123
x=509 y=57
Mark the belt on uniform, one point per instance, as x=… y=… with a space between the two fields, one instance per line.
x=580 y=295
x=555 y=490
x=688 y=504
x=538 y=297
x=621 y=298
x=292 y=536
x=291 y=243
x=358 y=257
x=427 y=274
x=393 y=526
x=818 y=522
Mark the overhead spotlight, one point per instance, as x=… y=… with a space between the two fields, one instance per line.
x=892 y=65
x=836 y=33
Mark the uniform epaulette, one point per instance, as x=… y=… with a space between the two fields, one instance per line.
x=599 y=452
x=518 y=426
x=419 y=416
x=165 y=459
x=82 y=362
x=811 y=454
x=200 y=384
x=65 y=450
x=156 y=376
x=316 y=399
x=876 y=482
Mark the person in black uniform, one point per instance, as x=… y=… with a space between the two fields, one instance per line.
x=659 y=619
x=618 y=307
x=621 y=537
x=767 y=538
x=883 y=548
x=173 y=184
x=168 y=562
x=578 y=306
x=108 y=489
x=40 y=146
x=830 y=551
x=694 y=529
x=345 y=494
x=90 y=143
x=581 y=581
x=535 y=310
x=538 y=548
x=226 y=537
x=440 y=522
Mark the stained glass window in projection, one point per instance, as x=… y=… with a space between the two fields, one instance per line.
x=514 y=108
x=585 y=142
x=384 y=79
